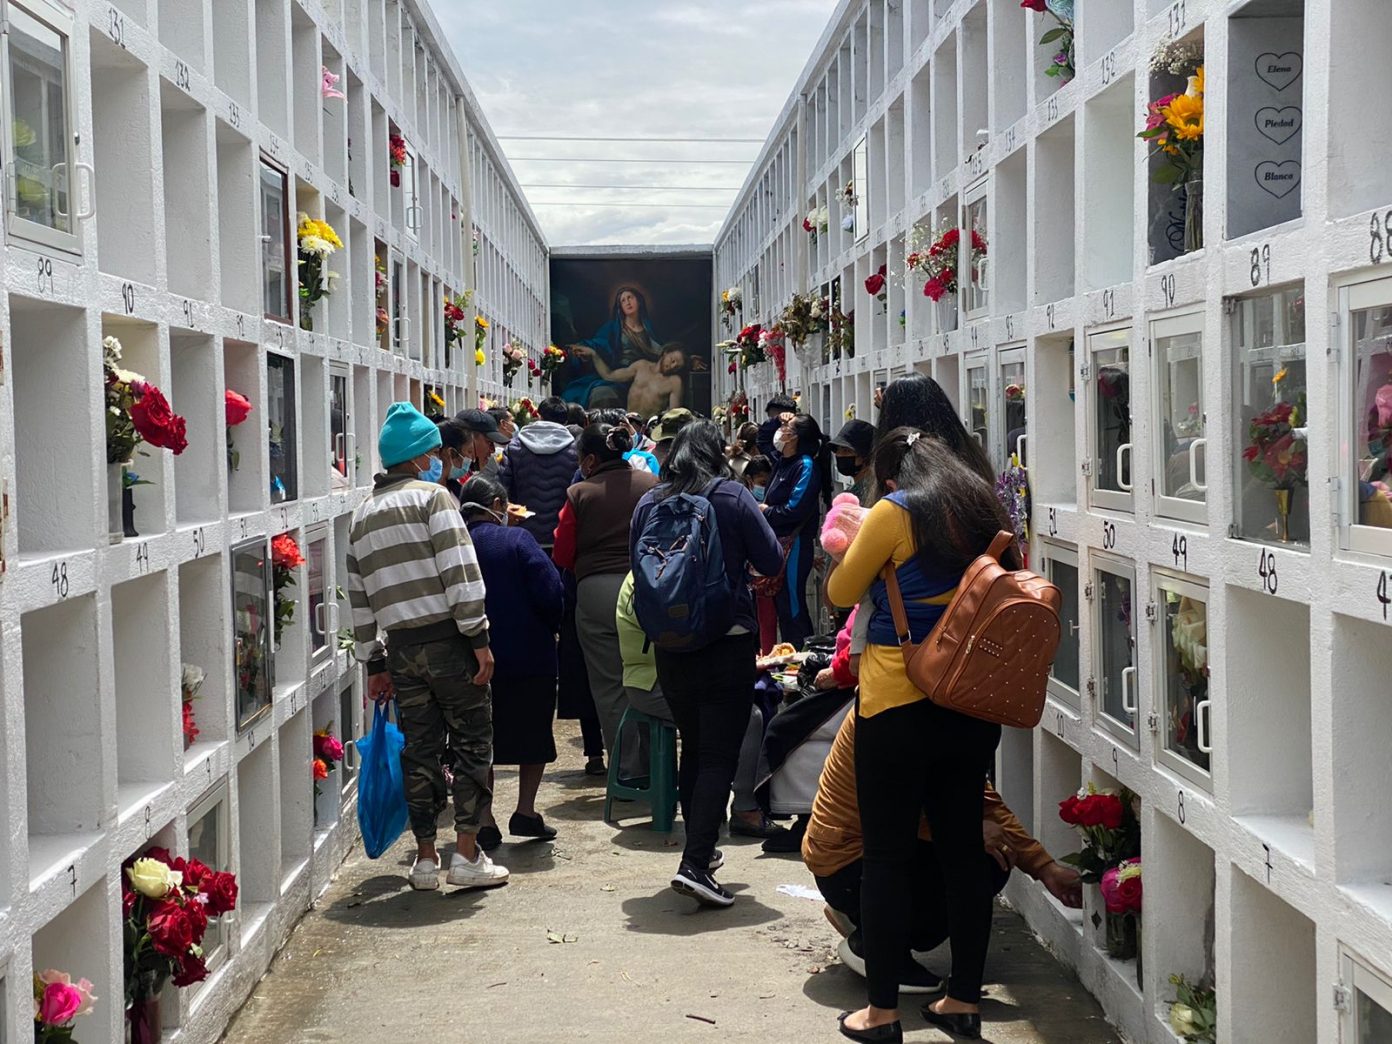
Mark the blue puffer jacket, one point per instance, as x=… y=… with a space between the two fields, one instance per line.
x=791 y=500
x=536 y=470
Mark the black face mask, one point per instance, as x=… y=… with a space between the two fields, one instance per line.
x=848 y=466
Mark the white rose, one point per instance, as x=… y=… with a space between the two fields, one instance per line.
x=152 y=878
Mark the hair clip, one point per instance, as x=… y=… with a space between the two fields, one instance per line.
x=912 y=437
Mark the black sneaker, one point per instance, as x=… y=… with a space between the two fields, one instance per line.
x=787 y=840
x=764 y=828
x=530 y=826
x=595 y=767
x=489 y=837
x=701 y=886
x=717 y=860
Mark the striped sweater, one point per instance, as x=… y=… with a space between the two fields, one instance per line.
x=412 y=571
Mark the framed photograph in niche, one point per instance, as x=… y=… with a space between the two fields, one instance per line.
x=252 y=611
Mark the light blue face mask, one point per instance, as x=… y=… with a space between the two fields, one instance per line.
x=459 y=473
x=758 y=492
x=434 y=472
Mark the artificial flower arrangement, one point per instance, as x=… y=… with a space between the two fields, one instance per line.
x=552 y=359
x=455 y=316
x=136 y=411
x=739 y=407
x=380 y=284
x=524 y=411
x=1060 y=37
x=938 y=261
x=435 y=403
x=1175 y=123
x=166 y=904
x=802 y=318
x=1110 y=828
x=848 y=195
x=841 y=333
x=877 y=285
x=818 y=220
x=731 y=303
x=480 y=337
x=316 y=241
x=1277 y=454
x=191 y=678
x=328 y=84
x=772 y=344
x=1121 y=897
x=746 y=349
x=328 y=752
x=396 y=157
x=514 y=357
x=851 y=412
x=236 y=408
x=1194 y=1012
x=1012 y=489
x=285 y=559
x=58 y=1001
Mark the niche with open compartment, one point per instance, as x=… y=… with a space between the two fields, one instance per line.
x=1009 y=258
x=947 y=150
x=121 y=133
x=1360 y=108
x=246 y=486
x=64 y=755
x=145 y=477
x=1060 y=776
x=1053 y=468
x=77 y=940
x=203 y=614
x=1274 y=983
x=194 y=391
x=239 y=248
x=1362 y=719
x=296 y=796
x=232 y=29
x=1010 y=65
x=272 y=59
x=258 y=836
x=1109 y=186
x=334 y=116
x=1054 y=213
x=1265 y=105
x=145 y=716
x=1179 y=912
x=921 y=132
x=187 y=221
x=305 y=94
x=49 y=355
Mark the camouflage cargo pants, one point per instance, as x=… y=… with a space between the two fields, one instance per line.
x=438 y=702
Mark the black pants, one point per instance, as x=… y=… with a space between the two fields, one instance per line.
x=928 y=925
x=917 y=759
x=710 y=692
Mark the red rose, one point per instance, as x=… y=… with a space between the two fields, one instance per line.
x=935 y=288
x=221 y=890
x=1033 y=5
x=875 y=285
x=237 y=407
x=191 y=970
x=195 y=873
x=1068 y=810
x=128 y=898
x=198 y=918
x=1110 y=811
x=950 y=237
x=806 y=225
x=321 y=771
x=285 y=553
x=156 y=423
x=171 y=929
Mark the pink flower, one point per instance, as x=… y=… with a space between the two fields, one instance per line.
x=1383 y=401
x=58 y=1000
x=329 y=87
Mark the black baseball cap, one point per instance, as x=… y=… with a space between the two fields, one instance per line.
x=483 y=423
x=858 y=436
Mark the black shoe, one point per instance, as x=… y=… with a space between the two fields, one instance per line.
x=595 y=767
x=913 y=977
x=489 y=838
x=701 y=886
x=889 y=1033
x=788 y=840
x=765 y=828
x=717 y=860
x=959 y=1024
x=635 y=782
x=530 y=826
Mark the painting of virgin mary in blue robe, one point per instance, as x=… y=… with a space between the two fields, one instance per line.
x=623 y=340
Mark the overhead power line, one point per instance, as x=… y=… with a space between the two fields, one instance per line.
x=621 y=159
x=636 y=188
x=653 y=206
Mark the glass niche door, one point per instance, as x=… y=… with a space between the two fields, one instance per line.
x=322 y=604
x=39 y=136
x=1271 y=418
x=1108 y=376
x=1182 y=664
x=340 y=429
x=1367 y=422
x=251 y=630
x=1010 y=396
x=281 y=413
x=974 y=265
x=1060 y=565
x=1115 y=688
x=976 y=399
x=1181 y=489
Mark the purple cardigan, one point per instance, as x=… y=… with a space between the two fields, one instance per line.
x=523 y=600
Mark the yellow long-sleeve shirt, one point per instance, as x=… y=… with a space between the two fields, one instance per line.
x=886 y=536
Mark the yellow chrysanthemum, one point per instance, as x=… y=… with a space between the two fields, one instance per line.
x=1186 y=116
x=479 y=357
x=481 y=322
x=1280 y=376
x=1199 y=81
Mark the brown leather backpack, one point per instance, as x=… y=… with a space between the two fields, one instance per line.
x=990 y=652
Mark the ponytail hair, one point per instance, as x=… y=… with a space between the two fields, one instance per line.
x=812 y=443
x=605 y=442
x=478 y=495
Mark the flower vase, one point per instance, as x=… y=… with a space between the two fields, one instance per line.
x=1121 y=936
x=143 y=1025
x=306 y=316
x=947 y=313
x=115 y=502
x=1193 y=215
x=128 y=513
x=1283 y=510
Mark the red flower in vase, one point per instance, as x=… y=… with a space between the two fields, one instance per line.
x=875 y=284
x=156 y=423
x=237 y=407
x=171 y=929
x=191 y=970
x=220 y=888
x=285 y=553
x=1033 y=5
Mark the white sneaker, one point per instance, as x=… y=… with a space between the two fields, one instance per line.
x=481 y=873
x=425 y=875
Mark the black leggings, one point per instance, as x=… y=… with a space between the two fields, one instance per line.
x=917 y=759
x=794 y=614
x=710 y=692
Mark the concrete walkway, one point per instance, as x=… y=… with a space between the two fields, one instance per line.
x=588 y=943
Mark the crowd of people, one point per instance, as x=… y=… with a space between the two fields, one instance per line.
x=501 y=577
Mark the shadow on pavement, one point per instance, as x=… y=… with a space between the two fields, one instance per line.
x=389 y=902
x=667 y=913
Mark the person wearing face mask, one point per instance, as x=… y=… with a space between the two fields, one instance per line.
x=757 y=475
x=485 y=438
x=537 y=467
x=853 y=446
x=525 y=602
x=413 y=575
x=592 y=539
x=801 y=475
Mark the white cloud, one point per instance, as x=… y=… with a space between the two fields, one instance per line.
x=621 y=68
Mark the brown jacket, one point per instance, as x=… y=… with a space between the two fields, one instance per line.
x=603 y=507
x=833 y=839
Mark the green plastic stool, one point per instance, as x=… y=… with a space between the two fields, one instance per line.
x=661 y=791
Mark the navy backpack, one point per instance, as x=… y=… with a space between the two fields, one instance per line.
x=681 y=595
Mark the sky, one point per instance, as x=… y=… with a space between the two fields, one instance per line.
x=632 y=69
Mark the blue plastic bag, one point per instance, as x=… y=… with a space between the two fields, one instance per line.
x=381 y=792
